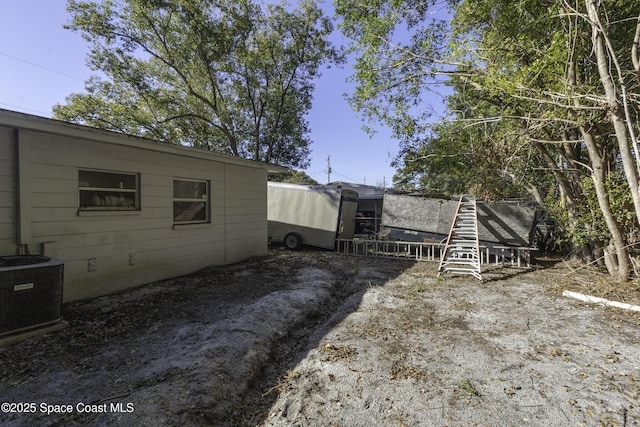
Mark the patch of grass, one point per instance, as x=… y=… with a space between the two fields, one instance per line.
x=418 y=287
x=465 y=385
x=589 y=280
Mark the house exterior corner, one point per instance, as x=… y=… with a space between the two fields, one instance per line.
x=122 y=211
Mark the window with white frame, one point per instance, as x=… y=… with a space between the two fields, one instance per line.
x=106 y=190
x=190 y=201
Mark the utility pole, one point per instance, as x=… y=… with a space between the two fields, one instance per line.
x=328 y=169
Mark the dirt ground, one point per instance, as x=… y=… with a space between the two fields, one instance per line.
x=314 y=338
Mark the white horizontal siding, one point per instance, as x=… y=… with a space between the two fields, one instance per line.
x=7 y=149
x=237 y=227
x=6 y=163
x=152 y=267
x=246 y=211
x=6 y=214
x=7 y=242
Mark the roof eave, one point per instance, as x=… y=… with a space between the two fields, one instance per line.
x=62 y=128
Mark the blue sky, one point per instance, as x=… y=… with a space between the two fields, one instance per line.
x=41 y=63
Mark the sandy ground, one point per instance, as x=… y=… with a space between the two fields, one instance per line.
x=315 y=338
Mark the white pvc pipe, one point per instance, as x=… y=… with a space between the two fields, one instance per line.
x=598 y=300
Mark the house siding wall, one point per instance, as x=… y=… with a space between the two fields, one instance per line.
x=159 y=250
x=7 y=235
x=246 y=210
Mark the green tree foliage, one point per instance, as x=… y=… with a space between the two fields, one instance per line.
x=400 y=55
x=457 y=157
x=294 y=177
x=230 y=76
x=544 y=102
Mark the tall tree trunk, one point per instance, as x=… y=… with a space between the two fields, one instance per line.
x=620 y=267
x=616 y=112
x=635 y=56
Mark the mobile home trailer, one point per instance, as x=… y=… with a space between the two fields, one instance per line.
x=310 y=215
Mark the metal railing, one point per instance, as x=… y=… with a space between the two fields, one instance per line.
x=418 y=251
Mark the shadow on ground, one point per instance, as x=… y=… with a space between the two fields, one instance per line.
x=200 y=349
x=314 y=338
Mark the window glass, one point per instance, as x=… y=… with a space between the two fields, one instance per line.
x=190 y=201
x=102 y=190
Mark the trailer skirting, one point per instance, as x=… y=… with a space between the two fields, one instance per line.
x=418 y=251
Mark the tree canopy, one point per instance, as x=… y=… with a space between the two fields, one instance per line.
x=294 y=177
x=542 y=103
x=229 y=76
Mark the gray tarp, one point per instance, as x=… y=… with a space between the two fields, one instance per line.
x=503 y=223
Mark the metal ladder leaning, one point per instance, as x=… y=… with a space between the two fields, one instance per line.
x=461 y=253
